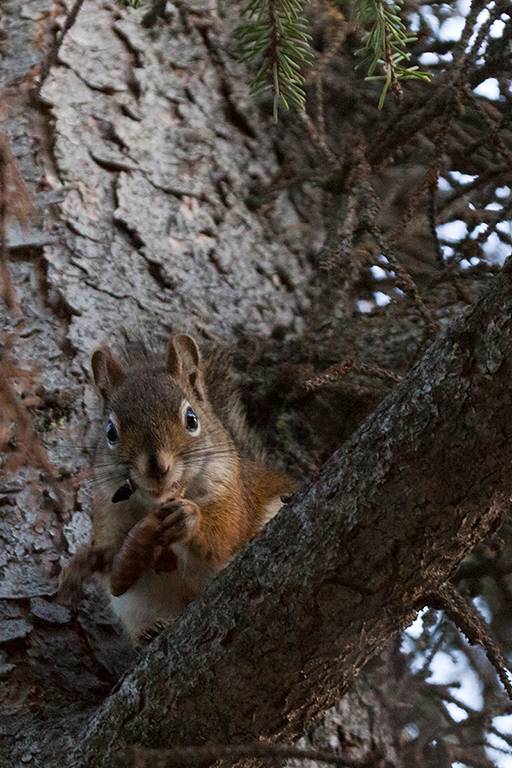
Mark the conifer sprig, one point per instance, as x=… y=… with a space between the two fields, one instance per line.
x=274 y=31
x=385 y=42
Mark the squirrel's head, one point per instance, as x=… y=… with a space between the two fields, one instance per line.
x=160 y=431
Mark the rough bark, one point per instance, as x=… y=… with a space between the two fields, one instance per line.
x=343 y=567
x=158 y=144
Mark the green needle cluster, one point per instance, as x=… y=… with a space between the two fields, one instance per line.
x=273 y=34
x=274 y=31
x=385 y=42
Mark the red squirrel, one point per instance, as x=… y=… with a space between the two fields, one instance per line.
x=175 y=496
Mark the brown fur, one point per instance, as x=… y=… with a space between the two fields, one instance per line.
x=208 y=499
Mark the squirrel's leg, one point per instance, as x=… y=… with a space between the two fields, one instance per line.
x=81 y=568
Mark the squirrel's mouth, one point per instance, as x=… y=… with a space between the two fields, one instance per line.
x=163 y=492
x=168 y=492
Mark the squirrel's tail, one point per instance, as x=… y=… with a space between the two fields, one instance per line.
x=223 y=391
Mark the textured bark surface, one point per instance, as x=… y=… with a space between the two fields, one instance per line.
x=343 y=567
x=159 y=144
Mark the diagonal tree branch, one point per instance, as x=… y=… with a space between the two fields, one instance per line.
x=288 y=626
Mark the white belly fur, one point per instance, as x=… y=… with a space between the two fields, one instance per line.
x=161 y=596
x=272 y=509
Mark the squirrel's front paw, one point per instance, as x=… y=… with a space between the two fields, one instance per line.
x=180 y=521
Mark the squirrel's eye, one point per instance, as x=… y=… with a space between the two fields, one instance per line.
x=191 y=420
x=111 y=432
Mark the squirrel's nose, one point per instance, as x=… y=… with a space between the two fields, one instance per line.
x=157 y=467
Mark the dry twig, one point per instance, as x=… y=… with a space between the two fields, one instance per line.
x=53 y=53
x=15 y=203
x=470 y=623
x=335 y=372
x=179 y=756
x=28 y=449
x=404 y=281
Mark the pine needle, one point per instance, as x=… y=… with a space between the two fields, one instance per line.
x=273 y=31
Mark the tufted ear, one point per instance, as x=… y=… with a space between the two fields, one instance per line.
x=107 y=371
x=184 y=361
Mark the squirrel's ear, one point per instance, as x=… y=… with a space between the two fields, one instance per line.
x=174 y=365
x=183 y=359
x=108 y=372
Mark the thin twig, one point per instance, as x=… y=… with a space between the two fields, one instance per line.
x=459 y=56
x=320 y=120
x=164 y=758
x=320 y=142
x=15 y=203
x=493 y=174
x=336 y=30
x=403 y=279
x=470 y=623
x=335 y=372
x=433 y=179
x=466 y=59
x=338 y=246
x=415 y=199
x=371 y=209
x=53 y=53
